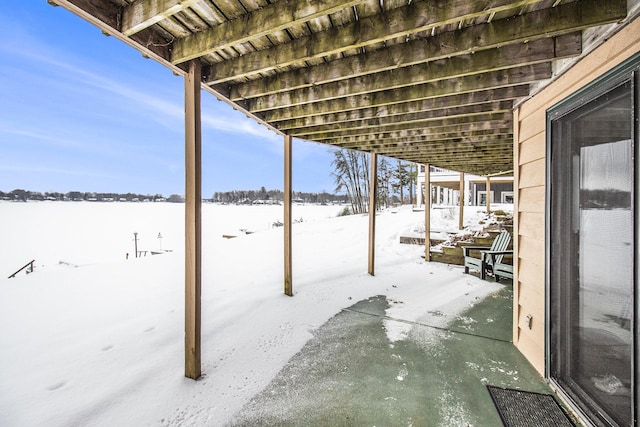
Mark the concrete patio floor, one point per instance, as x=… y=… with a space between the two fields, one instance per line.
x=350 y=374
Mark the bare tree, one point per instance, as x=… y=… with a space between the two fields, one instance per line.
x=351 y=174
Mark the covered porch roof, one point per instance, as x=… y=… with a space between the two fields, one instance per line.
x=424 y=81
x=430 y=81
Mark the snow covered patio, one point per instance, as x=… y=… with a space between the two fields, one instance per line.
x=93 y=339
x=349 y=373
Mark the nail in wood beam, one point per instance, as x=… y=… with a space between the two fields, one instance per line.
x=288 y=279
x=373 y=192
x=462 y=196
x=193 y=195
x=427 y=212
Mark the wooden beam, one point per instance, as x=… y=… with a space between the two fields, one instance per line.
x=193 y=245
x=373 y=196
x=435 y=105
x=277 y=16
x=489 y=143
x=448 y=114
x=480 y=122
x=515 y=54
x=142 y=14
x=416 y=17
x=106 y=15
x=451 y=161
x=462 y=197
x=526 y=27
x=427 y=212
x=468 y=155
x=428 y=143
x=494 y=80
x=288 y=253
x=543 y=23
x=511 y=56
x=417 y=136
x=488 y=195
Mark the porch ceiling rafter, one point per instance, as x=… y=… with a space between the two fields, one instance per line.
x=524 y=28
x=398 y=78
x=442 y=88
x=277 y=16
x=471 y=99
x=484 y=122
x=416 y=17
x=416 y=143
x=142 y=14
x=433 y=117
x=541 y=51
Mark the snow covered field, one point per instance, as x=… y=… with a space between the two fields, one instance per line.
x=94 y=339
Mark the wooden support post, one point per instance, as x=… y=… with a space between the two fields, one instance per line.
x=373 y=195
x=488 y=195
x=462 y=197
x=288 y=279
x=427 y=212
x=193 y=196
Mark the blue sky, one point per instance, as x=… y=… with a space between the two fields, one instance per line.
x=82 y=111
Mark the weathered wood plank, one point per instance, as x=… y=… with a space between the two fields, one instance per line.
x=441 y=46
x=543 y=23
x=429 y=141
x=142 y=14
x=414 y=18
x=275 y=17
x=452 y=157
x=493 y=80
x=432 y=104
x=420 y=136
x=437 y=156
x=469 y=112
x=485 y=121
x=511 y=56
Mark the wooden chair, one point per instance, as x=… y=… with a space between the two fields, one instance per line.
x=500 y=269
x=489 y=257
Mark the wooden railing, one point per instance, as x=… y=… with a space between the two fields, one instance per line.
x=30 y=270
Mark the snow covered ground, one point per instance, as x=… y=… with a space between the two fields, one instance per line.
x=94 y=339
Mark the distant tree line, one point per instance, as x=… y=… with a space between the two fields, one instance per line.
x=605 y=199
x=26 y=195
x=274 y=196
x=352 y=176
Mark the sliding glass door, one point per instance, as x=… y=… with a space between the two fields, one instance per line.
x=591 y=249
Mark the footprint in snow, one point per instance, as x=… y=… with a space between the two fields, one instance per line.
x=107 y=347
x=150 y=329
x=57 y=386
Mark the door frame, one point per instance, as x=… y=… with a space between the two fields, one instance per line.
x=630 y=69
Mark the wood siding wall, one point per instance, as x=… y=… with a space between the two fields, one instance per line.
x=529 y=158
